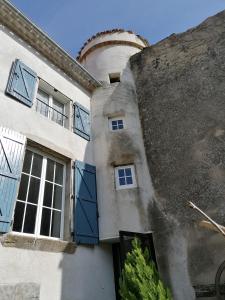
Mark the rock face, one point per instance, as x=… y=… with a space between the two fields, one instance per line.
x=180 y=86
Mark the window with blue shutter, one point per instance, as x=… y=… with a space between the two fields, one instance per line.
x=12 y=146
x=22 y=82
x=86 y=211
x=81 y=121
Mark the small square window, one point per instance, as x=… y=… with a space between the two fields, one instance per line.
x=125 y=177
x=116 y=123
x=114 y=77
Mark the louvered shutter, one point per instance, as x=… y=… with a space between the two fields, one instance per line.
x=86 y=212
x=22 y=82
x=81 y=121
x=12 y=146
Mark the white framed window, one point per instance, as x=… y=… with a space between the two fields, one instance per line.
x=40 y=203
x=116 y=123
x=125 y=177
x=50 y=107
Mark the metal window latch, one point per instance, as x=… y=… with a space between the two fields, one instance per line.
x=72 y=197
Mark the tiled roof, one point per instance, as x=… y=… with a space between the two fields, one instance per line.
x=109 y=32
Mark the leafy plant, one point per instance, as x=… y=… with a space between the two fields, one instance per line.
x=140 y=279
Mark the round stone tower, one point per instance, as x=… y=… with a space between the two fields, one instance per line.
x=106 y=54
x=121 y=208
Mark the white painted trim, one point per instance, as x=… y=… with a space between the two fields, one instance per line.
x=116 y=119
x=41 y=195
x=126 y=186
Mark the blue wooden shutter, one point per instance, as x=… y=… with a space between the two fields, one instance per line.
x=21 y=84
x=12 y=146
x=81 y=121
x=86 y=211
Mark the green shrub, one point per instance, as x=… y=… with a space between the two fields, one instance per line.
x=140 y=279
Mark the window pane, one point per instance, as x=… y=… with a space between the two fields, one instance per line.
x=27 y=161
x=45 y=221
x=59 y=173
x=114 y=123
x=56 y=222
x=114 y=127
x=42 y=105
x=129 y=180
x=44 y=97
x=48 y=194
x=122 y=181
x=18 y=216
x=57 y=201
x=33 y=190
x=23 y=187
x=58 y=110
x=30 y=218
x=121 y=173
x=120 y=126
x=37 y=165
x=128 y=171
x=50 y=170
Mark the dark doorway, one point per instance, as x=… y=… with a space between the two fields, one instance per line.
x=121 y=249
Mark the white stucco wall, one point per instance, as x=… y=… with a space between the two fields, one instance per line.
x=126 y=209
x=88 y=273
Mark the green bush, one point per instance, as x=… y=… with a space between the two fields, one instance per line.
x=140 y=279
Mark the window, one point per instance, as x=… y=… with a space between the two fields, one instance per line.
x=114 y=77
x=50 y=107
x=116 y=123
x=125 y=177
x=39 y=207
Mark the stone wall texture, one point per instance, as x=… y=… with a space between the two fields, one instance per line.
x=180 y=85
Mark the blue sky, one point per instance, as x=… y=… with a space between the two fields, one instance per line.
x=71 y=22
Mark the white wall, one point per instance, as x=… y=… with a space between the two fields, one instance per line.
x=126 y=209
x=87 y=274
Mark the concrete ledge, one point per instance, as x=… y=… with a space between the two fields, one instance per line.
x=40 y=244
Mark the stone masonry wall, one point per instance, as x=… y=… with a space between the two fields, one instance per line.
x=180 y=86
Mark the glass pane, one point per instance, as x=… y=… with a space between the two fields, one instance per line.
x=129 y=180
x=44 y=97
x=50 y=170
x=59 y=173
x=18 y=216
x=23 y=187
x=57 y=117
x=27 y=161
x=30 y=219
x=33 y=190
x=42 y=105
x=56 y=222
x=114 y=123
x=58 y=111
x=37 y=165
x=57 y=201
x=120 y=126
x=48 y=194
x=128 y=171
x=58 y=106
x=121 y=173
x=45 y=221
x=114 y=127
x=120 y=122
x=122 y=181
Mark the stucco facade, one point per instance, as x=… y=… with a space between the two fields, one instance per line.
x=140 y=121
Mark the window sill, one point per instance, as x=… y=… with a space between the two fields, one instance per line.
x=40 y=244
